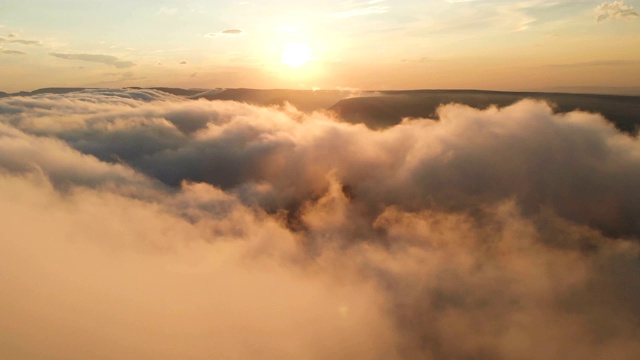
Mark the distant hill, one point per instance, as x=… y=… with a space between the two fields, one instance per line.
x=178 y=91
x=56 y=91
x=390 y=107
x=53 y=90
x=67 y=90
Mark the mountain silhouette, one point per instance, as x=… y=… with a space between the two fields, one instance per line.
x=390 y=107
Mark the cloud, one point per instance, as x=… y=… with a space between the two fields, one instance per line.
x=97 y=58
x=168 y=226
x=11 y=52
x=12 y=40
x=204 y=128
x=25 y=42
x=153 y=275
x=232 y=31
x=614 y=10
x=227 y=33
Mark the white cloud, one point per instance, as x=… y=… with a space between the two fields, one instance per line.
x=614 y=10
x=148 y=226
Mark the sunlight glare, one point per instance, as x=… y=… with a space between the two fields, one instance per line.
x=295 y=54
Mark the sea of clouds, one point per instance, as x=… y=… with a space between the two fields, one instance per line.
x=139 y=225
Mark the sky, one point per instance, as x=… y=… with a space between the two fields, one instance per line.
x=372 y=44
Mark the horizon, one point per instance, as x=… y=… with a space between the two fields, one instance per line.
x=632 y=91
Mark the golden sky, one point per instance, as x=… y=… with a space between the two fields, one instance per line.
x=374 y=44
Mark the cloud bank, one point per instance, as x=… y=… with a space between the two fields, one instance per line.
x=97 y=58
x=140 y=225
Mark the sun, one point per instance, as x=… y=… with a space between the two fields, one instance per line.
x=296 y=54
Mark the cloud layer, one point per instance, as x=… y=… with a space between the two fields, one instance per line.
x=142 y=225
